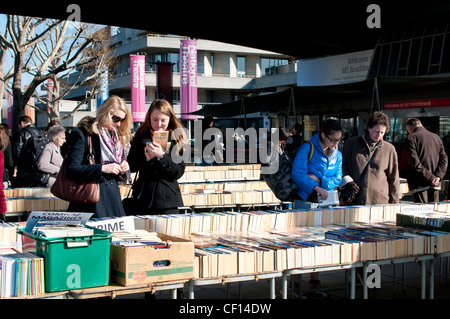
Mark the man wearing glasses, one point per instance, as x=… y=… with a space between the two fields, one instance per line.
x=379 y=183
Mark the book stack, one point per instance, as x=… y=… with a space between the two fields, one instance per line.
x=429 y=219
x=21 y=274
x=443 y=206
x=24 y=192
x=138 y=238
x=227 y=198
x=9 y=238
x=32 y=198
x=35 y=204
x=226 y=221
x=61 y=230
x=189 y=188
x=219 y=173
x=238 y=253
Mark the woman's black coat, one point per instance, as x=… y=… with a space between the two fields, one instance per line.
x=156 y=186
x=78 y=168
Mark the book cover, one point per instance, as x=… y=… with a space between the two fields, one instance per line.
x=161 y=137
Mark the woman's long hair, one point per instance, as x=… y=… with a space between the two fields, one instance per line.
x=104 y=114
x=4 y=137
x=175 y=128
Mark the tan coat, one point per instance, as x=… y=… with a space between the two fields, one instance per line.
x=380 y=184
x=50 y=161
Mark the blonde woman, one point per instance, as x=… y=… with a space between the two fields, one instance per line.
x=156 y=189
x=110 y=134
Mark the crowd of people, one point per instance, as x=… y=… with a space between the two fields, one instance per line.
x=33 y=158
x=366 y=168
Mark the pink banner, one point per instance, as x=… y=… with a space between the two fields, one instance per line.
x=188 y=78
x=137 y=64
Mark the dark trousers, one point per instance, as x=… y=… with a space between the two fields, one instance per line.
x=427 y=196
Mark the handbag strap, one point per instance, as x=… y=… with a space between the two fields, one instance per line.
x=89 y=143
x=367 y=166
x=134 y=181
x=90 y=155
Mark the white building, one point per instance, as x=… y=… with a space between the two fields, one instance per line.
x=226 y=72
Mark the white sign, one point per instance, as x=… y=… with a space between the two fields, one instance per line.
x=114 y=225
x=333 y=70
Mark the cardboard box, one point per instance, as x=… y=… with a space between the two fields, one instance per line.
x=131 y=266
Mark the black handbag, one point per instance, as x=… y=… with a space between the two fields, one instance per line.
x=131 y=205
x=344 y=197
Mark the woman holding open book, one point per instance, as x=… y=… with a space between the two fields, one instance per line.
x=323 y=171
x=318 y=173
x=109 y=135
x=156 y=154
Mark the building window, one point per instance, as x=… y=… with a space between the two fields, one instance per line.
x=165 y=57
x=241 y=66
x=271 y=66
x=422 y=52
x=175 y=59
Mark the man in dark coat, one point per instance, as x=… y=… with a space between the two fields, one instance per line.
x=26 y=175
x=427 y=162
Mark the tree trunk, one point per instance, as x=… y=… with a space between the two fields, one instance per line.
x=18 y=105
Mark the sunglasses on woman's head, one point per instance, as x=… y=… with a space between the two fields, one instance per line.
x=117 y=119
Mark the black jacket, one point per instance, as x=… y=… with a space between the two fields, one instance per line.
x=78 y=168
x=27 y=173
x=426 y=157
x=157 y=186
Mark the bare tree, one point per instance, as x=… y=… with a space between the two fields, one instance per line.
x=4 y=77
x=92 y=60
x=52 y=49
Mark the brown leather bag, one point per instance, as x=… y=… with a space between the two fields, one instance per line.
x=73 y=191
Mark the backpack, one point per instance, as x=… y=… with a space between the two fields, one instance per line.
x=32 y=151
x=35 y=146
x=281 y=182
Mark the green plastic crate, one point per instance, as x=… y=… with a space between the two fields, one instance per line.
x=74 y=262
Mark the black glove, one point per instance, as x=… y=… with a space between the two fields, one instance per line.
x=351 y=189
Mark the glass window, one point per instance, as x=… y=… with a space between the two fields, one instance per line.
x=393 y=59
x=445 y=67
x=310 y=126
x=424 y=61
x=270 y=66
x=418 y=53
x=414 y=58
x=404 y=53
x=437 y=49
x=175 y=59
x=241 y=65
